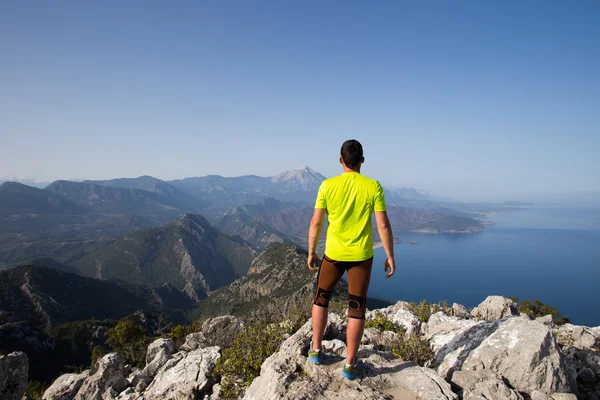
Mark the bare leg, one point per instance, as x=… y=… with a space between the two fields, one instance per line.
x=353 y=337
x=319 y=321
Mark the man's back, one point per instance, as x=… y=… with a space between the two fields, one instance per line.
x=350 y=200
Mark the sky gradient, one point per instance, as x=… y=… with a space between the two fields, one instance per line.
x=475 y=100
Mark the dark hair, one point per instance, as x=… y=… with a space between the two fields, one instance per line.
x=352 y=153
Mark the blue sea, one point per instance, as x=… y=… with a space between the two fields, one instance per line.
x=546 y=253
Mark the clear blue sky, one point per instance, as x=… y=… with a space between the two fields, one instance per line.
x=472 y=99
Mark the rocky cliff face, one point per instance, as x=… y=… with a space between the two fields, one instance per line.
x=188 y=254
x=14 y=369
x=514 y=357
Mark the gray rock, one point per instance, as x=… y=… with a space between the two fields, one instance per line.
x=65 y=387
x=140 y=382
x=546 y=320
x=460 y=311
x=216 y=392
x=377 y=339
x=159 y=360
x=194 y=341
x=129 y=394
x=522 y=351
x=335 y=346
x=382 y=376
x=183 y=376
x=106 y=379
x=227 y=325
x=468 y=379
x=159 y=344
x=563 y=396
x=495 y=307
x=14 y=372
x=491 y=390
x=537 y=395
x=401 y=316
x=581 y=337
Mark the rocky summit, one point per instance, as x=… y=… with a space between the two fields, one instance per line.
x=512 y=357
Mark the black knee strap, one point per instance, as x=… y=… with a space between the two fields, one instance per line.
x=356 y=306
x=322 y=297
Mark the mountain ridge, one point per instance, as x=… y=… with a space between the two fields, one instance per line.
x=187 y=253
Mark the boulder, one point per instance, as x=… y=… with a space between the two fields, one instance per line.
x=547 y=320
x=65 y=387
x=159 y=360
x=401 y=316
x=522 y=352
x=581 y=337
x=287 y=374
x=184 y=376
x=379 y=340
x=225 y=326
x=460 y=311
x=140 y=382
x=14 y=372
x=105 y=381
x=495 y=307
x=563 y=396
x=483 y=384
x=194 y=341
x=491 y=390
x=159 y=344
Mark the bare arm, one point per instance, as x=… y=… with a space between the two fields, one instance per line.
x=385 y=233
x=314 y=232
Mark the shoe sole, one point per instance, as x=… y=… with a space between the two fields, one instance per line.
x=348 y=376
x=315 y=360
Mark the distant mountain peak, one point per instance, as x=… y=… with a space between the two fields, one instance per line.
x=304 y=179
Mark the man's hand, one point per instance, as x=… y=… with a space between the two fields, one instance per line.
x=390 y=264
x=313 y=261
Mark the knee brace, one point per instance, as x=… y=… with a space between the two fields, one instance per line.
x=356 y=306
x=322 y=297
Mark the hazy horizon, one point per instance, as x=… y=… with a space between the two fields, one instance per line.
x=468 y=100
x=565 y=198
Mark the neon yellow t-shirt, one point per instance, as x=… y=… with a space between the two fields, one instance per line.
x=350 y=200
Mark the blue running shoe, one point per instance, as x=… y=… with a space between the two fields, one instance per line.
x=315 y=356
x=350 y=372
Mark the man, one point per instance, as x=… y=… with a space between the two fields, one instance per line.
x=349 y=200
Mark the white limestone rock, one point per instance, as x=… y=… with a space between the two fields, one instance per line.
x=65 y=387
x=105 y=381
x=184 y=376
x=495 y=307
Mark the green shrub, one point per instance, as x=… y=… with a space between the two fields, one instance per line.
x=35 y=390
x=241 y=363
x=423 y=310
x=538 y=309
x=130 y=341
x=97 y=354
x=179 y=333
x=413 y=349
x=383 y=323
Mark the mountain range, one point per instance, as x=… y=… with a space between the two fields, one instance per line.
x=68 y=221
x=188 y=253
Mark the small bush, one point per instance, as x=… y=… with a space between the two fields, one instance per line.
x=241 y=363
x=179 y=333
x=538 y=309
x=35 y=390
x=383 y=323
x=130 y=341
x=413 y=349
x=423 y=310
x=97 y=354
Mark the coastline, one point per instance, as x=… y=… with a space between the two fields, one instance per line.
x=379 y=244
